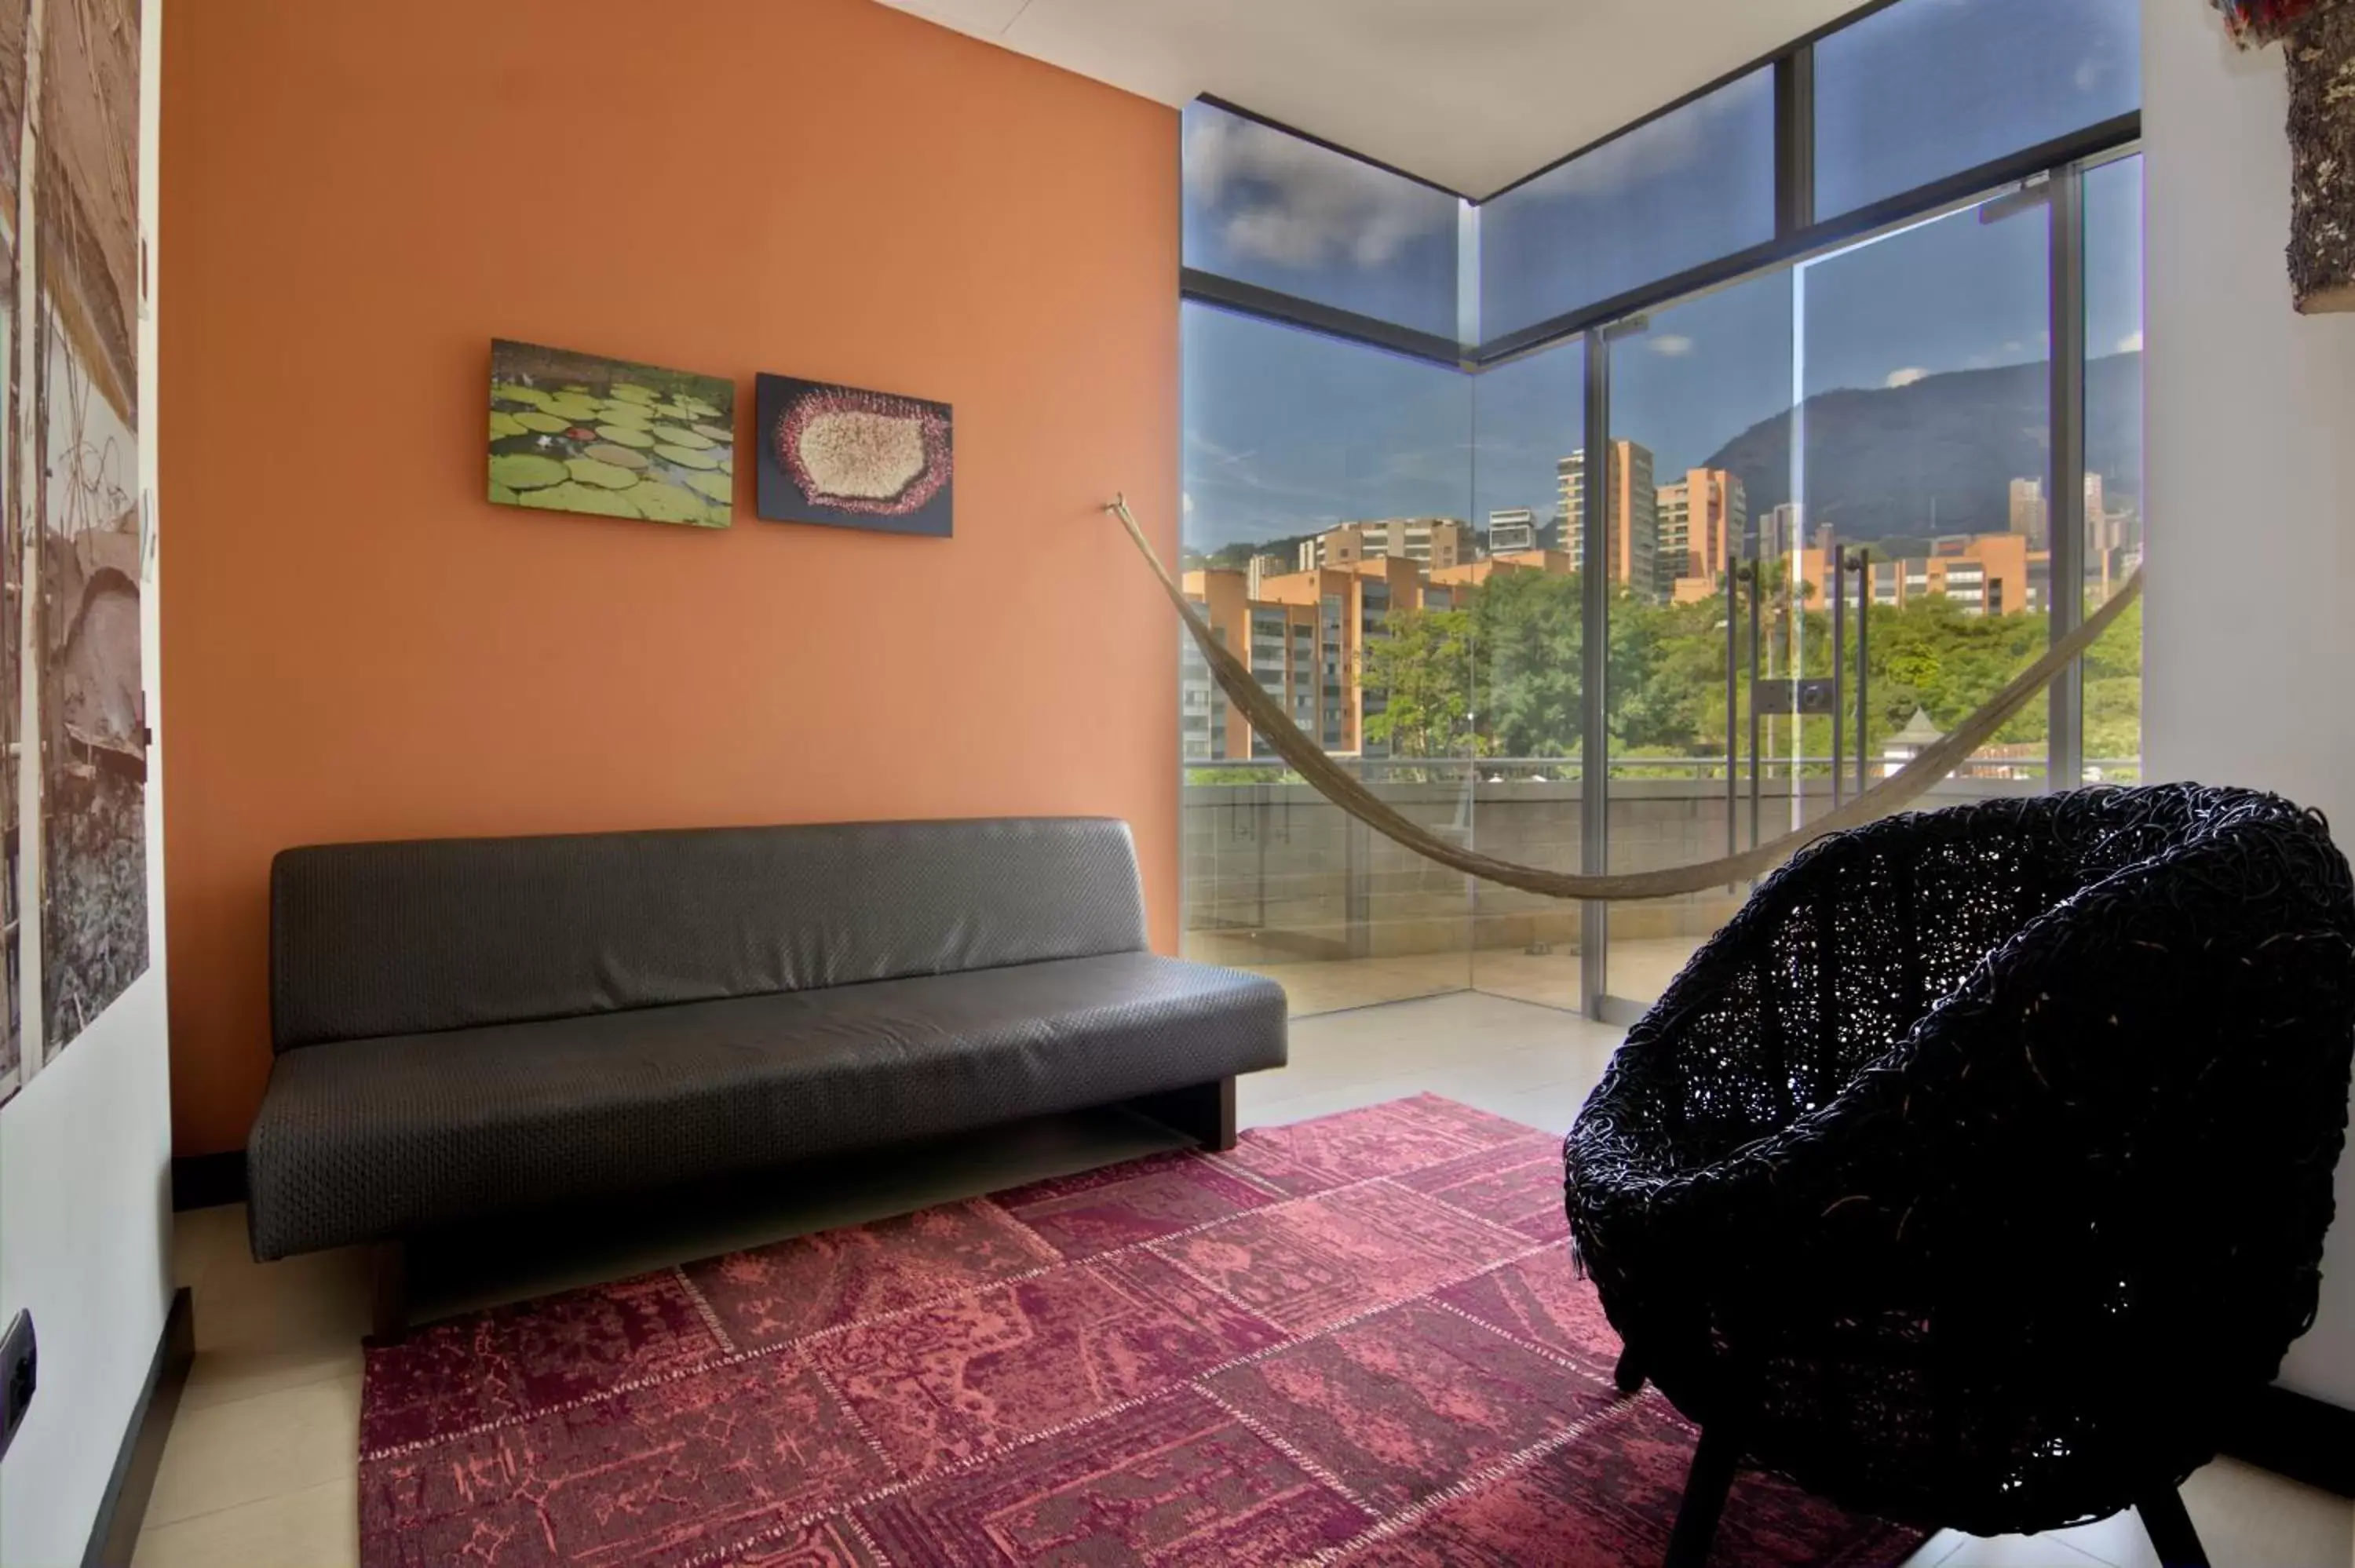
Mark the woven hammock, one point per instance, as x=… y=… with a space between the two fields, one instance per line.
x=1336 y=783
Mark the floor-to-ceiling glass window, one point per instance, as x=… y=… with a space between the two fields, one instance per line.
x=1654 y=506
x=1927 y=438
x=1529 y=416
x=1304 y=454
x=1698 y=467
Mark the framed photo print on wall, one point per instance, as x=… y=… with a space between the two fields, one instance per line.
x=850 y=458
x=607 y=438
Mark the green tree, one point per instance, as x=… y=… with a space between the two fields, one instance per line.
x=1501 y=674
x=1934 y=656
x=1423 y=665
x=2114 y=692
x=1532 y=642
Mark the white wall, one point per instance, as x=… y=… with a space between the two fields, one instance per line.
x=85 y=1149
x=2250 y=453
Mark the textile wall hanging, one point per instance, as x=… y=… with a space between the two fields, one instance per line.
x=2318 y=38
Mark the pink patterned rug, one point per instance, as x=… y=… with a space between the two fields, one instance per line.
x=1358 y=1339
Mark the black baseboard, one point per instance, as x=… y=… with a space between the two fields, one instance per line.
x=114 y=1533
x=209 y=1180
x=2303 y=1438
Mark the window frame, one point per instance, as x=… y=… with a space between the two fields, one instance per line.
x=2050 y=171
x=1799 y=235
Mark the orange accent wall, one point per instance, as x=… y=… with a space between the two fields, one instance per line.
x=356 y=645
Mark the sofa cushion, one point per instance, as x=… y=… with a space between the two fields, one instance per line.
x=399 y=938
x=368 y=1138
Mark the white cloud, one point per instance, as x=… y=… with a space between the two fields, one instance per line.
x=1188 y=500
x=2131 y=342
x=1627 y=163
x=1674 y=345
x=1905 y=378
x=1283 y=200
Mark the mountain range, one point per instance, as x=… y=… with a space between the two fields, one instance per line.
x=1937 y=456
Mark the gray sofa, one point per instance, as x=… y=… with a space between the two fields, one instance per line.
x=470 y=1027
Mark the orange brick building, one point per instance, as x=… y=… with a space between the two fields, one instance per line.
x=1303 y=637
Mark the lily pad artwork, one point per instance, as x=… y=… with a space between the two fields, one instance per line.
x=605 y=438
x=853 y=459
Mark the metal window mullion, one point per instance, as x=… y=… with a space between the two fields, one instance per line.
x=1795 y=142
x=2064 y=593
x=1595 y=648
x=1232 y=294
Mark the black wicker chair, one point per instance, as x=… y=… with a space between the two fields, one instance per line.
x=1976 y=1174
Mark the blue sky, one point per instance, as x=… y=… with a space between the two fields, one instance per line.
x=1286 y=432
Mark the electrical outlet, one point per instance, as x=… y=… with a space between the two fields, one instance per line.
x=20 y=1364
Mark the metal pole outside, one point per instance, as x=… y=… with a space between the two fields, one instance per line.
x=2065 y=589
x=1838 y=563
x=1863 y=666
x=1594 y=636
x=1757 y=579
x=1733 y=579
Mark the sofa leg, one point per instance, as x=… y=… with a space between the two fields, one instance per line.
x=1204 y=1112
x=389 y=1295
x=1628 y=1374
x=1706 y=1485
x=2169 y=1527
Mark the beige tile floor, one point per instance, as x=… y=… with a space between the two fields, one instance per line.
x=1640 y=970
x=260 y=1471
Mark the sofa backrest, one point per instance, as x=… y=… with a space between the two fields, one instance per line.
x=398 y=938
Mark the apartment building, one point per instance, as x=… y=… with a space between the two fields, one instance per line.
x=1984 y=574
x=1471 y=573
x=1301 y=633
x=1512 y=529
x=1428 y=541
x=1631 y=516
x=1703 y=517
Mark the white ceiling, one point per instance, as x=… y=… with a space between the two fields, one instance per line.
x=1470 y=93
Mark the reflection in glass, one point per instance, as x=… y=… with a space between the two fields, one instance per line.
x=1395 y=547
x=1271 y=209
x=1531 y=416
x=1700 y=416
x=2113 y=529
x=1326 y=489
x=1930 y=88
x=1691 y=186
x=1927 y=436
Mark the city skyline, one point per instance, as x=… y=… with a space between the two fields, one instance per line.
x=1320 y=628
x=1650 y=527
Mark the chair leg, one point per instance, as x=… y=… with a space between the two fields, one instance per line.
x=1706 y=1485
x=1628 y=1375
x=2171 y=1534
